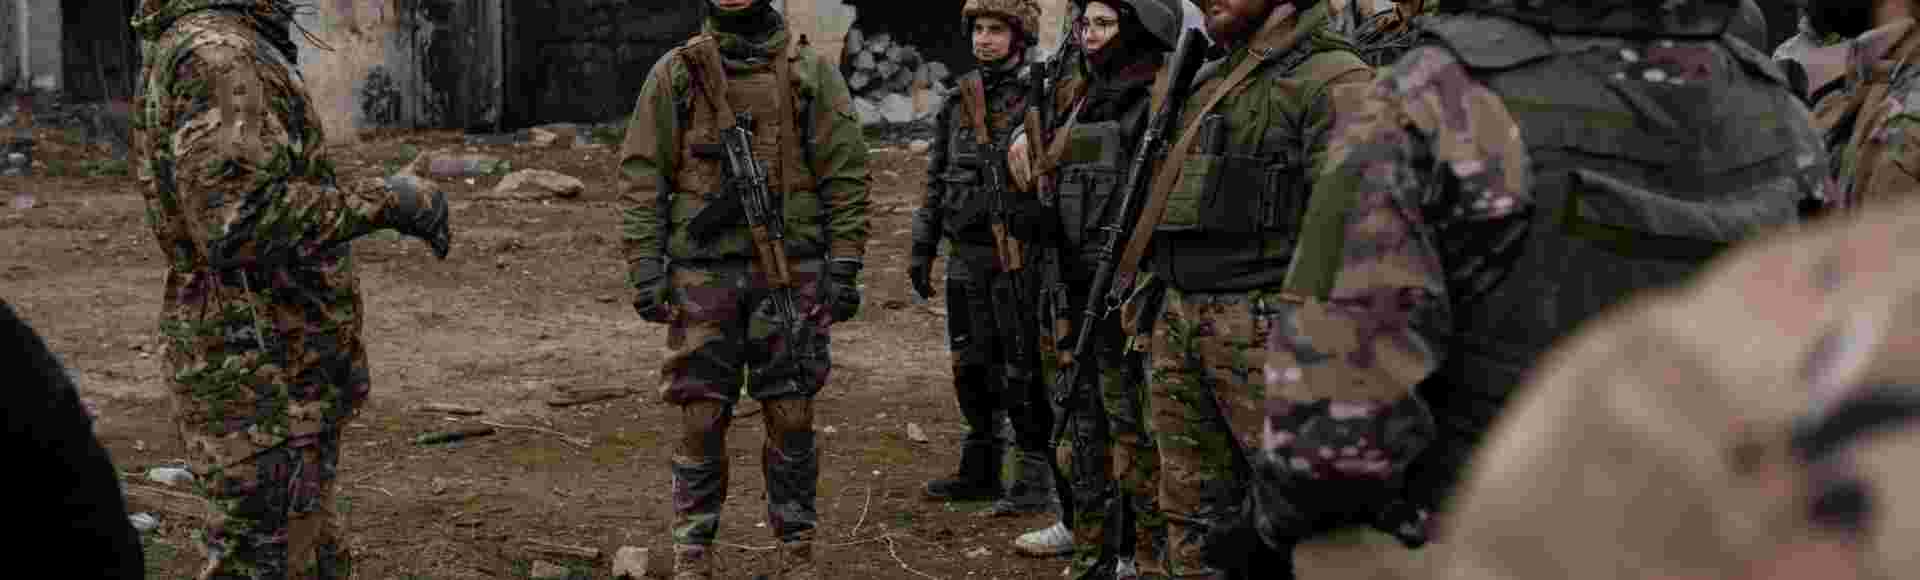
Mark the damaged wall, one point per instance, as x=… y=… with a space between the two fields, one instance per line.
x=9 y=44
x=36 y=46
x=404 y=63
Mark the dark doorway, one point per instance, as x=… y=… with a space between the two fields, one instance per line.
x=585 y=60
x=100 y=54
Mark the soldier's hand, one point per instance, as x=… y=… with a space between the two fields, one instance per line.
x=845 y=273
x=649 y=280
x=413 y=213
x=920 y=273
x=1017 y=163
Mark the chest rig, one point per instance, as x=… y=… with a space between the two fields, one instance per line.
x=781 y=137
x=982 y=124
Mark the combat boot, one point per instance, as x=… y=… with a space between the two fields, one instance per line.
x=978 y=478
x=1032 y=489
x=692 y=562
x=797 y=562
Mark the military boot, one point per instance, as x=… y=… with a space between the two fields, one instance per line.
x=978 y=478
x=1031 y=491
x=692 y=562
x=797 y=563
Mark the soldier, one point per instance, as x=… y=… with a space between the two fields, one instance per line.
x=261 y=314
x=1099 y=113
x=1479 y=201
x=694 y=264
x=1684 y=437
x=1861 y=105
x=958 y=208
x=1219 y=229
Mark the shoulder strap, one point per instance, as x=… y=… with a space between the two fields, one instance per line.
x=1169 y=173
x=703 y=52
x=975 y=88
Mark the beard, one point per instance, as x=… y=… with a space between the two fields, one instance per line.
x=1237 y=19
x=1847 y=18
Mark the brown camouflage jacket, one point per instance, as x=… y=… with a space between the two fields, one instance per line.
x=1659 y=441
x=1870 y=113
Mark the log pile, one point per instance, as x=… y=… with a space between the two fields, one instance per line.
x=885 y=75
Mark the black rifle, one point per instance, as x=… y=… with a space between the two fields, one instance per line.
x=1187 y=57
x=746 y=181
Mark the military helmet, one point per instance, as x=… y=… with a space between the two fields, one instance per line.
x=1161 y=18
x=1022 y=14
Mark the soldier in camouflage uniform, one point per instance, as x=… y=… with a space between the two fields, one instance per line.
x=693 y=265
x=1099 y=112
x=1479 y=201
x=261 y=315
x=980 y=316
x=1864 y=105
x=1683 y=437
x=1218 y=233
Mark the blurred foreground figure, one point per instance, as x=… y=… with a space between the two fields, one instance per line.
x=261 y=312
x=1760 y=423
x=75 y=506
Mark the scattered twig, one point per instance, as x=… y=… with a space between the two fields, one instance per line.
x=903 y=563
x=863 y=513
x=173 y=502
x=557 y=549
x=454 y=435
x=451 y=409
x=580 y=442
x=748 y=548
x=371 y=473
x=376 y=488
x=571 y=397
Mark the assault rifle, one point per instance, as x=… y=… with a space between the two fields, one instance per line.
x=746 y=180
x=1186 y=62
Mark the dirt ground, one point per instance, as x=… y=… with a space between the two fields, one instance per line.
x=529 y=303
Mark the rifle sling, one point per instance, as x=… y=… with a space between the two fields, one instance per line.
x=976 y=95
x=1169 y=174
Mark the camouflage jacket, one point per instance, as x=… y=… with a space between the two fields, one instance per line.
x=1686 y=435
x=1871 y=115
x=1230 y=218
x=1481 y=211
x=260 y=283
x=829 y=219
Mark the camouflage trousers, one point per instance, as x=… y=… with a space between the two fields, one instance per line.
x=725 y=333
x=1208 y=355
x=1111 y=456
x=264 y=440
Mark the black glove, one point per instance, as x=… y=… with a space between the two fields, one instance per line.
x=920 y=273
x=649 y=280
x=413 y=215
x=845 y=274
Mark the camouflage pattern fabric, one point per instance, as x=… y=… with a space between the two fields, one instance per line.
x=1664 y=431
x=1869 y=115
x=822 y=177
x=261 y=315
x=1207 y=353
x=1209 y=340
x=723 y=329
x=1462 y=211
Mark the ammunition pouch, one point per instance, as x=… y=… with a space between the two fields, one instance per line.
x=1241 y=193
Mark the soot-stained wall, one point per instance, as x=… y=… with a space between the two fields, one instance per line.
x=585 y=60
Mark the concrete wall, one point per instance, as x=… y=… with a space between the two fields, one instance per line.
x=36 y=56
x=585 y=60
x=404 y=63
x=9 y=44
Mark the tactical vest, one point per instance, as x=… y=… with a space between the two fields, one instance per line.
x=1234 y=213
x=781 y=109
x=1088 y=177
x=965 y=197
x=1637 y=182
